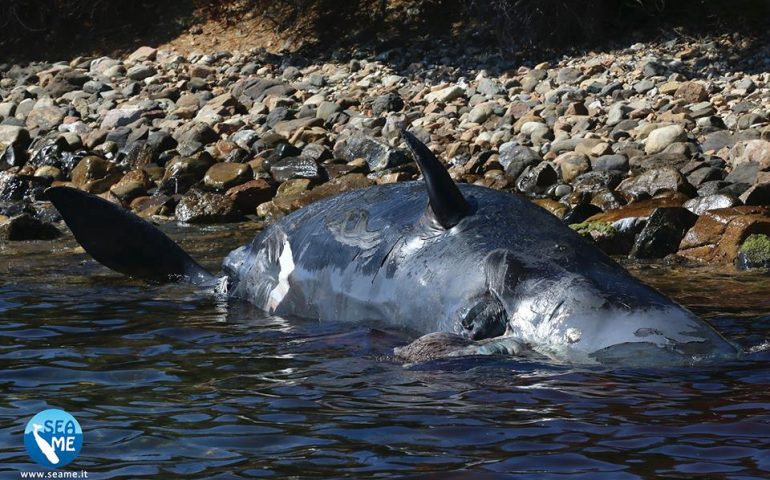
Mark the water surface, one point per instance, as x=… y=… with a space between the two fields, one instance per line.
x=168 y=383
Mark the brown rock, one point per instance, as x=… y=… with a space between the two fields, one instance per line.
x=692 y=92
x=338 y=185
x=653 y=182
x=718 y=234
x=222 y=176
x=641 y=209
x=251 y=194
x=95 y=175
x=558 y=209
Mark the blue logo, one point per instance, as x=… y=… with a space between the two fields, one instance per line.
x=53 y=438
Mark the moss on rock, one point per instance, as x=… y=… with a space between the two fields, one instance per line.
x=586 y=228
x=756 y=250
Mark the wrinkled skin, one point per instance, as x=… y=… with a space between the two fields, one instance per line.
x=509 y=271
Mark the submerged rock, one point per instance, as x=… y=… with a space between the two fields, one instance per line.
x=27 y=227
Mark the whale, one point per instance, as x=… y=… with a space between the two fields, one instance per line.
x=465 y=269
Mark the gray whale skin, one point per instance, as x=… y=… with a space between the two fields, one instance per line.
x=475 y=270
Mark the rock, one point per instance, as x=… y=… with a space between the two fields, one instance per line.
x=132 y=185
x=327 y=109
x=345 y=183
x=718 y=234
x=660 y=138
x=206 y=207
x=515 y=158
x=287 y=128
x=480 y=113
x=609 y=239
x=95 y=175
x=754 y=253
x=378 y=155
x=700 y=205
x=142 y=54
x=222 y=176
x=555 y=208
x=183 y=172
x=744 y=173
x=251 y=194
x=26 y=227
x=664 y=231
x=140 y=72
x=489 y=87
x=536 y=179
x=296 y=167
x=445 y=94
x=653 y=182
x=692 y=92
x=390 y=102
x=572 y=165
x=120 y=117
x=14 y=135
x=639 y=210
x=44 y=118
x=616 y=162
x=758 y=194
x=757 y=151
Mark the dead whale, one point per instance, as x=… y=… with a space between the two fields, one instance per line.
x=429 y=256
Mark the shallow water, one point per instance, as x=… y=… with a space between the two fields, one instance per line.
x=169 y=383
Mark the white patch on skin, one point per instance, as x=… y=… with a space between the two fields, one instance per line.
x=278 y=293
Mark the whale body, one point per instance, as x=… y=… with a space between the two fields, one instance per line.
x=427 y=256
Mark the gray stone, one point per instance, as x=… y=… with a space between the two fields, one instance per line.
x=660 y=138
x=378 y=155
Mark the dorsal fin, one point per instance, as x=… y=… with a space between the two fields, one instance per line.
x=120 y=240
x=446 y=201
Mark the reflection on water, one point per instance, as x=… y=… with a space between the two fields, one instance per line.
x=170 y=383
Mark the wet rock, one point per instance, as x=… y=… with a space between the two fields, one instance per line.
x=663 y=233
x=193 y=136
x=557 y=209
x=660 y=138
x=132 y=185
x=718 y=234
x=580 y=213
x=654 y=182
x=14 y=187
x=700 y=205
x=537 y=179
x=251 y=194
x=608 y=238
x=639 y=210
x=754 y=252
x=27 y=227
x=595 y=182
x=183 y=172
x=222 y=176
x=431 y=347
x=297 y=167
x=206 y=207
x=378 y=155
x=95 y=175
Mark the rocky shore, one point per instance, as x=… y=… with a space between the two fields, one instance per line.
x=653 y=150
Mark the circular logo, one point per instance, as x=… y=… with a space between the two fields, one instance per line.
x=53 y=438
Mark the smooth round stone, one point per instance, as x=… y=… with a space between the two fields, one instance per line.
x=222 y=176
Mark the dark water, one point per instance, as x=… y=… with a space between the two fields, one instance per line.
x=169 y=383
